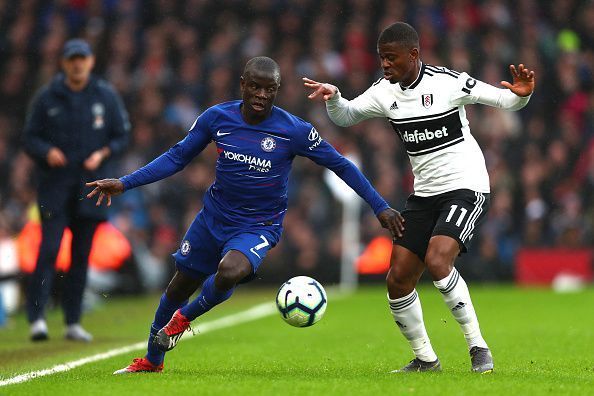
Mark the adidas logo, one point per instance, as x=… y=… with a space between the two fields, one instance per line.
x=458 y=306
x=394 y=106
x=400 y=325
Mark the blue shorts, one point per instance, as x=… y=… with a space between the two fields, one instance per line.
x=208 y=240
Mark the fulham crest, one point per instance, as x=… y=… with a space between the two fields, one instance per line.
x=427 y=100
x=268 y=144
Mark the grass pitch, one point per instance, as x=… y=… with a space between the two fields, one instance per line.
x=542 y=343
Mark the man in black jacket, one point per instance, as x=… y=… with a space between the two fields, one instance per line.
x=74 y=124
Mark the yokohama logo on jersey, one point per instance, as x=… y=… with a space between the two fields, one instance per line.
x=256 y=163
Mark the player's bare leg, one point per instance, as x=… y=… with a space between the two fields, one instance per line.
x=216 y=289
x=441 y=254
x=405 y=270
x=181 y=287
x=232 y=269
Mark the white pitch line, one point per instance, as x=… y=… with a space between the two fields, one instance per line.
x=254 y=313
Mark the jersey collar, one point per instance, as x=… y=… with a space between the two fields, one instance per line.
x=417 y=80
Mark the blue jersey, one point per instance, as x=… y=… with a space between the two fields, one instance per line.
x=254 y=162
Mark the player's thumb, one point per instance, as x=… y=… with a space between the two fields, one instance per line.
x=506 y=84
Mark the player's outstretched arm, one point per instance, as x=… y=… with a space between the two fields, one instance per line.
x=523 y=80
x=105 y=188
x=392 y=220
x=323 y=91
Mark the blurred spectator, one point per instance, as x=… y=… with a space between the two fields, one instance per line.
x=75 y=123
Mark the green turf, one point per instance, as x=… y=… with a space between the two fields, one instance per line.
x=542 y=343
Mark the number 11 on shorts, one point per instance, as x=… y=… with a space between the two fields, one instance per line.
x=451 y=214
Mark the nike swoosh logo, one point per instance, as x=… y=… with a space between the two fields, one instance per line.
x=219 y=133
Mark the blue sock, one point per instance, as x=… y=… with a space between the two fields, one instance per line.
x=208 y=298
x=164 y=313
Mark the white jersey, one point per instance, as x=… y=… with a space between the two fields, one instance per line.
x=429 y=117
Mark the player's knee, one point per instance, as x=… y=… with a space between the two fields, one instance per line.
x=398 y=281
x=230 y=272
x=439 y=263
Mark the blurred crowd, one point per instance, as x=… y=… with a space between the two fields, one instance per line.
x=170 y=60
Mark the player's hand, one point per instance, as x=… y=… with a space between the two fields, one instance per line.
x=95 y=159
x=56 y=158
x=105 y=188
x=523 y=80
x=393 y=221
x=321 y=90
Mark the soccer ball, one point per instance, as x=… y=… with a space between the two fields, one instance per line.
x=301 y=301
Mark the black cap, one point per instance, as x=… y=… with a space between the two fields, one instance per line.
x=76 y=47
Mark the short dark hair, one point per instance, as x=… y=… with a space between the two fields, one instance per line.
x=399 y=32
x=263 y=64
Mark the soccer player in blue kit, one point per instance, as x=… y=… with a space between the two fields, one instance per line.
x=244 y=207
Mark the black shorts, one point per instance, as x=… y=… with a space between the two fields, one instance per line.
x=456 y=214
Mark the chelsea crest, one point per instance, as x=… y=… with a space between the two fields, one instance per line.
x=185 y=247
x=268 y=144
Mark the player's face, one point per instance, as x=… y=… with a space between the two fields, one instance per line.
x=258 y=91
x=78 y=68
x=400 y=63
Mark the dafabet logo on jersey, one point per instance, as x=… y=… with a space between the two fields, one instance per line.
x=430 y=133
x=419 y=136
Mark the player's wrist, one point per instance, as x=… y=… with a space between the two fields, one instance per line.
x=335 y=94
x=384 y=206
x=125 y=186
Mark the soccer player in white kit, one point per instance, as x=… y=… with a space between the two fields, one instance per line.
x=425 y=106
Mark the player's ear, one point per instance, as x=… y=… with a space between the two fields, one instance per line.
x=414 y=54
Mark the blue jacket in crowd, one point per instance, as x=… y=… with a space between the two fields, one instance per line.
x=78 y=123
